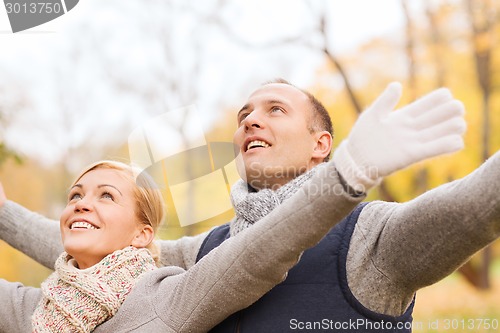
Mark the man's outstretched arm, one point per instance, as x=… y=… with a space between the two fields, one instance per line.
x=381 y=142
x=404 y=247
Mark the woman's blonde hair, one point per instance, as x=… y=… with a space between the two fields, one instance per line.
x=150 y=208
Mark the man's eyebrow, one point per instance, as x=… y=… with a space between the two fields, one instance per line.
x=104 y=185
x=268 y=102
x=244 y=108
x=276 y=101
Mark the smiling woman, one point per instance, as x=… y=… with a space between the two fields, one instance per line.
x=104 y=236
x=103 y=213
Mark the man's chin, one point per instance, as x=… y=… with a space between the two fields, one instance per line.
x=266 y=180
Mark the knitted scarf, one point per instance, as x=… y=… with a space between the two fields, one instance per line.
x=77 y=300
x=251 y=205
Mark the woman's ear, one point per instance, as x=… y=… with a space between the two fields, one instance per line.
x=323 y=145
x=144 y=236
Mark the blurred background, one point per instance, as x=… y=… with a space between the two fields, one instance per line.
x=73 y=90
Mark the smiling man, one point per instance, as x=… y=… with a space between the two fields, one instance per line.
x=364 y=274
x=282 y=133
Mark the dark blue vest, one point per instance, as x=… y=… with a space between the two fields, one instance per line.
x=315 y=295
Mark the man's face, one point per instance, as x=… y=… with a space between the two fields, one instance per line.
x=273 y=136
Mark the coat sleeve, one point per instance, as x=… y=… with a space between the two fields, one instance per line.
x=245 y=267
x=397 y=249
x=181 y=252
x=33 y=234
x=18 y=305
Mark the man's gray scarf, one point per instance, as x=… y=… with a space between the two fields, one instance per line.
x=251 y=205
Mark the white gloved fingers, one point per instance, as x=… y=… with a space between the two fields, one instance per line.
x=428 y=102
x=444 y=145
x=383 y=141
x=453 y=126
x=386 y=101
x=420 y=151
x=446 y=111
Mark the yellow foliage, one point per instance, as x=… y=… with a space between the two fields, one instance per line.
x=29 y=185
x=454 y=302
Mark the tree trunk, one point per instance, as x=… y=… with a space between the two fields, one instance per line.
x=481 y=19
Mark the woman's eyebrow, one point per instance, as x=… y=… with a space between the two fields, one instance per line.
x=104 y=185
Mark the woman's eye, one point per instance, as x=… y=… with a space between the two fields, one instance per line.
x=276 y=109
x=75 y=196
x=107 y=195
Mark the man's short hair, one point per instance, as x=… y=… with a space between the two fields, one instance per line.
x=321 y=120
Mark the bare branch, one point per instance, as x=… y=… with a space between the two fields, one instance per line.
x=329 y=54
x=410 y=53
x=437 y=41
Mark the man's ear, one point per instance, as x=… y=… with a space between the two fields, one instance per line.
x=145 y=235
x=323 y=146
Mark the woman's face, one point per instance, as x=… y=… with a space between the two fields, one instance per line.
x=100 y=216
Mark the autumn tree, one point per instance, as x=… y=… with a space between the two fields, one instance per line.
x=12 y=101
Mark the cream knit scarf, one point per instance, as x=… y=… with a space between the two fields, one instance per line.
x=251 y=205
x=78 y=300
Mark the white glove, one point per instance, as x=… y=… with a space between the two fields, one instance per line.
x=383 y=141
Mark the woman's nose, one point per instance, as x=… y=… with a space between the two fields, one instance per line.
x=83 y=205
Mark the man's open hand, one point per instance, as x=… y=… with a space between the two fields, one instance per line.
x=383 y=141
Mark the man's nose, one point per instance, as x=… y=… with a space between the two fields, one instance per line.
x=254 y=120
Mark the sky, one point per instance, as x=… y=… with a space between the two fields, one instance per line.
x=29 y=57
x=354 y=21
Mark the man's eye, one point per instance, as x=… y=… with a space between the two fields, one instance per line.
x=242 y=117
x=276 y=109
